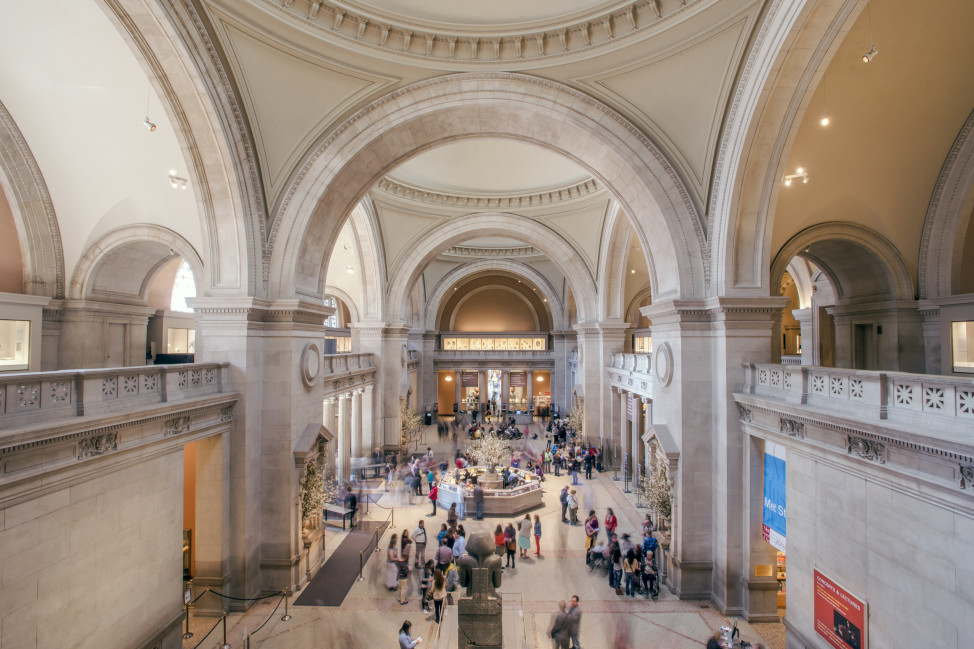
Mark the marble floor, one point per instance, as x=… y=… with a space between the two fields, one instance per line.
x=370 y=615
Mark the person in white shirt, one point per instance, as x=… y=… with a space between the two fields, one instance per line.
x=460 y=544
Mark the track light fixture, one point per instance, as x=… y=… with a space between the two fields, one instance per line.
x=868 y=56
x=801 y=172
x=148 y=124
x=175 y=181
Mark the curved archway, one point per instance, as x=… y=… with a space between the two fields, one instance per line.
x=526 y=306
x=861 y=263
x=941 y=244
x=353 y=157
x=353 y=312
x=556 y=308
x=432 y=242
x=371 y=258
x=33 y=212
x=120 y=265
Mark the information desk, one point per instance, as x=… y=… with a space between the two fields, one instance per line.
x=497 y=502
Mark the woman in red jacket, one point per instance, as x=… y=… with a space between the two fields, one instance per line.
x=432 y=496
x=610 y=522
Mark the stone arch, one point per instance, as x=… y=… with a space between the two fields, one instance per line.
x=861 y=263
x=33 y=212
x=612 y=265
x=353 y=312
x=800 y=272
x=120 y=265
x=371 y=258
x=760 y=125
x=632 y=309
x=556 y=308
x=944 y=228
x=185 y=67
x=348 y=161
x=428 y=244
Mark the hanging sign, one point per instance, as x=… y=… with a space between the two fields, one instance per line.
x=469 y=380
x=630 y=406
x=774 y=518
x=840 y=616
x=519 y=379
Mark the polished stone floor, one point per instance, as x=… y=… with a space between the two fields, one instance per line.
x=370 y=615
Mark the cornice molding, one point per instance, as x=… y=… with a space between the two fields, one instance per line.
x=547 y=196
x=470 y=251
x=444 y=43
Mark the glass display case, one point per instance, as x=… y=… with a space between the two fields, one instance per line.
x=495 y=343
x=14 y=345
x=181 y=341
x=962 y=346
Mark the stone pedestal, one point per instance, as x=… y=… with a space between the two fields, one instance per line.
x=479 y=617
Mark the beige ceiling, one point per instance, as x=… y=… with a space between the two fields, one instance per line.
x=500 y=12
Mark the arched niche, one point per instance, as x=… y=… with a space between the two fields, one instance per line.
x=555 y=307
x=349 y=160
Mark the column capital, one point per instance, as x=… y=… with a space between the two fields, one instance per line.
x=671 y=314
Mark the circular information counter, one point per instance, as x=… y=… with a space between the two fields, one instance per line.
x=497 y=501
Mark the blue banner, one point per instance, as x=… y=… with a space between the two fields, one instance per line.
x=775 y=512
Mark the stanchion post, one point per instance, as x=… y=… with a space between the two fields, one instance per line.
x=187 y=635
x=225 y=645
x=285 y=617
x=360 y=577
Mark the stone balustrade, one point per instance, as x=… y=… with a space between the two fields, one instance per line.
x=791 y=359
x=33 y=398
x=940 y=406
x=345 y=363
x=632 y=372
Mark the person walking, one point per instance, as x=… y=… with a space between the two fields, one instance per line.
x=576 y=622
x=451 y=516
x=478 y=502
x=561 y=628
x=573 y=507
x=591 y=532
x=444 y=555
x=351 y=503
x=438 y=594
x=537 y=535
x=426 y=585
x=392 y=557
x=611 y=522
x=563 y=499
x=499 y=541
x=630 y=568
x=402 y=571
x=405 y=640
x=432 y=496
x=524 y=536
x=405 y=546
x=574 y=469
x=419 y=538
x=460 y=543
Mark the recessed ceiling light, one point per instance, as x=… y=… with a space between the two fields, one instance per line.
x=825 y=120
x=349 y=270
x=632 y=270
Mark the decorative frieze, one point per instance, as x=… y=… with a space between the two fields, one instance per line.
x=867 y=449
x=226 y=413
x=98 y=445
x=175 y=426
x=746 y=415
x=966 y=475
x=27 y=395
x=793 y=428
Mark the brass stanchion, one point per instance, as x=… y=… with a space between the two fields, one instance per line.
x=393 y=519
x=360 y=577
x=187 y=635
x=225 y=645
x=285 y=617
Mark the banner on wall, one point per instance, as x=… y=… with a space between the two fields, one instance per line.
x=519 y=379
x=840 y=616
x=630 y=407
x=775 y=512
x=469 y=380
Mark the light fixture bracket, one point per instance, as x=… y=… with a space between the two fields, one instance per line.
x=800 y=173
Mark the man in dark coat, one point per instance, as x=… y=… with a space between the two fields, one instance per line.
x=561 y=629
x=478 y=501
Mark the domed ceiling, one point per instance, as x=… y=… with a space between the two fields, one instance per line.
x=500 y=12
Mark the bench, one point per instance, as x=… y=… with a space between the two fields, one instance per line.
x=340 y=511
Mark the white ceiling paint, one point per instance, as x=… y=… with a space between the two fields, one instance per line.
x=489 y=165
x=498 y=12
x=78 y=96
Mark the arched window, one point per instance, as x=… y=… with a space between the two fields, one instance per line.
x=183 y=287
x=332 y=320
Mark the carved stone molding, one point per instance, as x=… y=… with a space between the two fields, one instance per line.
x=664 y=364
x=175 y=426
x=226 y=413
x=966 y=476
x=793 y=428
x=547 y=196
x=746 y=415
x=97 y=445
x=867 y=449
x=310 y=364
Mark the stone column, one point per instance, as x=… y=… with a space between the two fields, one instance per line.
x=357 y=449
x=610 y=443
x=931 y=338
x=387 y=343
x=529 y=390
x=596 y=344
x=427 y=375
x=761 y=590
x=560 y=390
x=343 y=436
x=458 y=389
x=329 y=416
x=809 y=341
x=623 y=429
x=368 y=436
x=211 y=542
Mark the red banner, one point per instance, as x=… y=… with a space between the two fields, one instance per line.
x=519 y=379
x=840 y=617
x=469 y=379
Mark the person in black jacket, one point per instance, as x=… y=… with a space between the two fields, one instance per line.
x=561 y=628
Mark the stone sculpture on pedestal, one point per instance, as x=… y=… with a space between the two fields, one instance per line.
x=479 y=612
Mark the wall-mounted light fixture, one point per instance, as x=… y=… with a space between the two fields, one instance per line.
x=176 y=181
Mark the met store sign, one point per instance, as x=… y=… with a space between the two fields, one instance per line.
x=775 y=512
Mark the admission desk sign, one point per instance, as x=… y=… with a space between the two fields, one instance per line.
x=774 y=517
x=469 y=380
x=519 y=379
x=840 y=617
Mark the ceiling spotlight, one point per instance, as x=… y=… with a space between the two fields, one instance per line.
x=175 y=181
x=349 y=270
x=540 y=378
x=448 y=378
x=825 y=119
x=632 y=271
x=149 y=125
x=868 y=56
x=801 y=172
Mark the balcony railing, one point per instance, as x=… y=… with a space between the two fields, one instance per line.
x=344 y=363
x=41 y=397
x=640 y=363
x=943 y=406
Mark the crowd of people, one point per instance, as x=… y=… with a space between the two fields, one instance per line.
x=620 y=558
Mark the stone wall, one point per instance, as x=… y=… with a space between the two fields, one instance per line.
x=908 y=555
x=97 y=563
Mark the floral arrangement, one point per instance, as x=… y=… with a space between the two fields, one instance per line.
x=489 y=450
